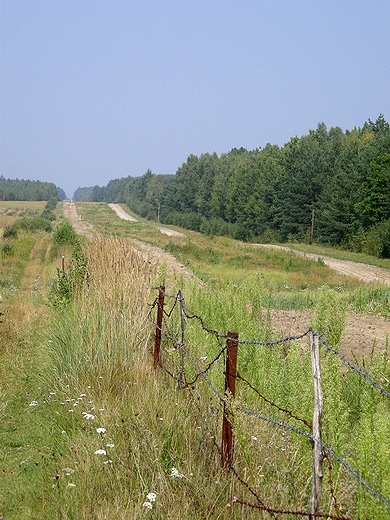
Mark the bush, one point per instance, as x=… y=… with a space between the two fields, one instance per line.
x=378 y=240
x=185 y=220
x=48 y=215
x=67 y=282
x=65 y=234
x=10 y=231
x=271 y=236
x=7 y=249
x=51 y=204
x=33 y=224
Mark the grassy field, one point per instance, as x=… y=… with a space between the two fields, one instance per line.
x=280 y=279
x=89 y=430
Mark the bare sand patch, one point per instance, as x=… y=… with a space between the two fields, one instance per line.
x=122 y=213
x=170 y=232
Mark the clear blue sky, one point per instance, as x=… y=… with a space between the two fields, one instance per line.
x=93 y=90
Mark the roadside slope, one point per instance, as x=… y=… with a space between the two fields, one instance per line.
x=364 y=272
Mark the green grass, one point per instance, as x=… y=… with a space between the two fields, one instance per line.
x=94 y=356
x=285 y=280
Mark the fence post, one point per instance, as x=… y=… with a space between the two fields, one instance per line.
x=63 y=263
x=182 y=323
x=315 y=498
x=230 y=385
x=157 y=342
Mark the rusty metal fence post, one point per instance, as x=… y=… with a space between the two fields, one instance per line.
x=160 y=309
x=230 y=385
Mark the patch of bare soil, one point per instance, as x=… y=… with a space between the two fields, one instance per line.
x=159 y=257
x=362 y=331
x=122 y=213
x=170 y=232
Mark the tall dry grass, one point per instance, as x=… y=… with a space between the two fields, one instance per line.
x=106 y=331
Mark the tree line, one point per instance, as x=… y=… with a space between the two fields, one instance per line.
x=272 y=193
x=21 y=189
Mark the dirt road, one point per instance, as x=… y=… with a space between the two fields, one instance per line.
x=80 y=226
x=366 y=273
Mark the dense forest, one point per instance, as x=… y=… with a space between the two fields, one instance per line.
x=338 y=181
x=21 y=189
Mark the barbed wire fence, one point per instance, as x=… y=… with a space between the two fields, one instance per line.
x=228 y=350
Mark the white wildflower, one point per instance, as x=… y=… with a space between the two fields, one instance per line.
x=148 y=505
x=176 y=474
x=109 y=461
x=33 y=403
x=100 y=452
x=110 y=445
x=101 y=430
x=88 y=416
x=151 y=497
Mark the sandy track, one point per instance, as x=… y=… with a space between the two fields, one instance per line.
x=80 y=226
x=122 y=213
x=125 y=216
x=365 y=273
x=170 y=232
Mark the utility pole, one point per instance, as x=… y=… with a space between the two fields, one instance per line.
x=312 y=228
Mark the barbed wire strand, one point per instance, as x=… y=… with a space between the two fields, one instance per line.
x=351 y=365
x=330 y=482
x=178 y=344
x=322 y=445
x=234 y=471
x=284 y=410
x=294 y=513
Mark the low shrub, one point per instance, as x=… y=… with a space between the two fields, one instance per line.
x=51 y=204
x=7 y=249
x=10 y=231
x=33 y=224
x=378 y=240
x=68 y=281
x=65 y=233
x=48 y=215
